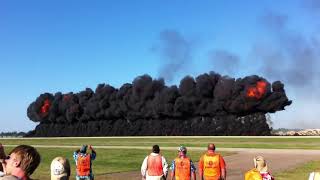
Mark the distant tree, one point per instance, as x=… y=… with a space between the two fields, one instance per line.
x=12 y=134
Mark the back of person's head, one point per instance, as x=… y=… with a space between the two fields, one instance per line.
x=156 y=149
x=60 y=169
x=29 y=158
x=211 y=147
x=260 y=163
x=83 y=149
x=182 y=150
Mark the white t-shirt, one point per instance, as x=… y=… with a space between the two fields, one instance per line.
x=144 y=171
x=314 y=176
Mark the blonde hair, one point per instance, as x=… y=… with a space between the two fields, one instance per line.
x=260 y=164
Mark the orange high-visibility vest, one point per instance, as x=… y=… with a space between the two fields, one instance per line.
x=83 y=165
x=182 y=168
x=211 y=165
x=253 y=174
x=155 y=165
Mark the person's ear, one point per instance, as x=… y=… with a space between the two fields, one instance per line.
x=16 y=163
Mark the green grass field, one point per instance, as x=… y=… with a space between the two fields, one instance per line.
x=222 y=142
x=121 y=160
x=301 y=172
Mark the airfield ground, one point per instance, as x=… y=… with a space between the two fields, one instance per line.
x=121 y=157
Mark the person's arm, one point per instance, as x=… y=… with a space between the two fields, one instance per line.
x=192 y=170
x=165 y=167
x=172 y=175
x=93 y=153
x=172 y=168
x=144 y=167
x=75 y=155
x=200 y=165
x=224 y=174
x=193 y=176
x=223 y=168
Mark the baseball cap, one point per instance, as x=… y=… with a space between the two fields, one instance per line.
x=60 y=169
x=182 y=149
x=83 y=149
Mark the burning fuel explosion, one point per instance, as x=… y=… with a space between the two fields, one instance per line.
x=210 y=104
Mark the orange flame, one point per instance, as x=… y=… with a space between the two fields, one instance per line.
x=258 y=90
x=45 y=107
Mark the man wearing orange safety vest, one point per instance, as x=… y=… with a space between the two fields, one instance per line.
x=212 y=165
x=182 y=167
x=154 y=166
x=84 y=163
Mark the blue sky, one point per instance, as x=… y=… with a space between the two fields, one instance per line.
x=51 y=46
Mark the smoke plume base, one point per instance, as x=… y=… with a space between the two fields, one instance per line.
x=147 y=100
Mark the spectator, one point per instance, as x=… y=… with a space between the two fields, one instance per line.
x=154 y=166
x=182 y=166
x=60 y=169
x=21 y=163
x=260 y=170
x=84 y=162
x=212 y=165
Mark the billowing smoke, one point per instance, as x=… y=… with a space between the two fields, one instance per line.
x=175 y=51
x=291 y=54
x=294 y=58
x=209 y=104
x=222 y=59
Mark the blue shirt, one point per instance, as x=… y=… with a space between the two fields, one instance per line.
x=192 y=167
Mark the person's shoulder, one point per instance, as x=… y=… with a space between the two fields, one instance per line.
x=146 y=157
x=155 y=154
x=220 y=155
x=211 y=154
x=177 y=158
x=216 y=154
x=9 y=178
x=202 y=155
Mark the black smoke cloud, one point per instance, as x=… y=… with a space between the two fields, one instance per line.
x=291 y=55
x=209 y=104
